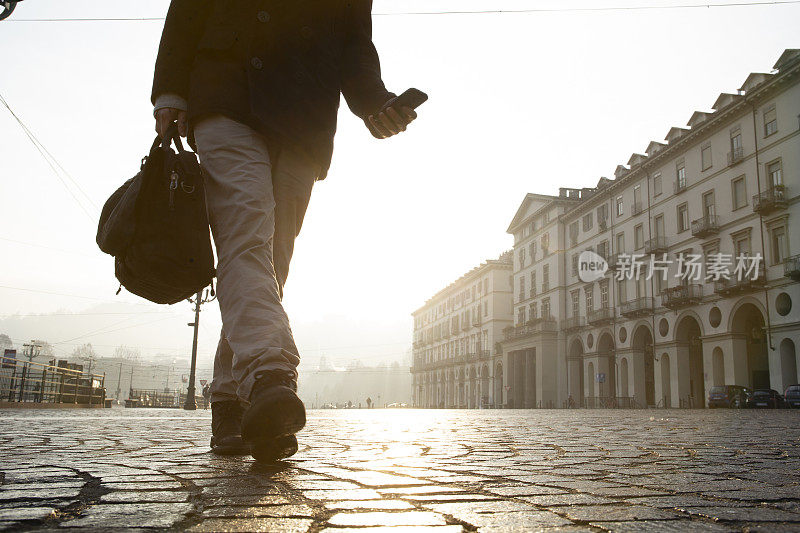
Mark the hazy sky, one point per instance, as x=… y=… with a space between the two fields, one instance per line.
x=518 y=103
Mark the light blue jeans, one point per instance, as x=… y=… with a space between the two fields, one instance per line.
x=255 y=208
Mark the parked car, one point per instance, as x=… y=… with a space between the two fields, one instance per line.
x=792 y=396
x=766 y=399
x=728 y=396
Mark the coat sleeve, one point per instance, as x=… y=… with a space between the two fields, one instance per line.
x=185 y=23
x=362 y=85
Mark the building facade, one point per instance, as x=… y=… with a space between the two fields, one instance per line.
x=725 y=189
x=457 y=359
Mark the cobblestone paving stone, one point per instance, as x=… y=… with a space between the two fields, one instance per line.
x=407 y=470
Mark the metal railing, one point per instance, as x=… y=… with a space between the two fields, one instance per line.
x=656 y=245
x=770 y=200
x=636 y=208
x=598 y=316
x=30 y=382
x=735 y=156
x=532 y=327
x=637 y=307
x=791 y=267
x=679 y=186
x=747 y=283
x=573 y=323
x=708 y=225
x=681 y=296
x=171 y=399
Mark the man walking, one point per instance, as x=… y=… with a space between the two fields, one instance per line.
x=256 y=84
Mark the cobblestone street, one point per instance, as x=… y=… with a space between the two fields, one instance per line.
x=408 y=469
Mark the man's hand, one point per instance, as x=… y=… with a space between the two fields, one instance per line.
x=390 y=121
x=165 y=117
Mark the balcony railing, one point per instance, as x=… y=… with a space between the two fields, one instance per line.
x=679 y=186
x=656 y=245
x=600 y=316
x=636 y=208
x=770 y=200
x=613 y=260
x=483 y=354
x=573 y=323
x=703 y=227
x=532 y=327
x=791 y=267
x=735 y=156
x=734 y=285
x=681 y=296
x=31 y=382
x=637 y=307
x=602 y=223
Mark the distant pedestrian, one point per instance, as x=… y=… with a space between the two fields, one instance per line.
x=369 y=403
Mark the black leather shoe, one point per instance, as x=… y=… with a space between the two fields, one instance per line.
x=226 y=428
x=275 y=414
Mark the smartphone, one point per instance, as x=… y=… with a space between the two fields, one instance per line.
x=412 y=98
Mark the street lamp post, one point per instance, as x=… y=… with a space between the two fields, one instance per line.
x=200 y=298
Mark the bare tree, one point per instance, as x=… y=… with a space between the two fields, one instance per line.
x=85 y=352
x=126 y=352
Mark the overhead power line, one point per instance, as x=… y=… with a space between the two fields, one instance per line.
x=469 y=12
x=52 y=162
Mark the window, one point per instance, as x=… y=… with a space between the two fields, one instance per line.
x=602 y=214
x=532 y=250
x=770 y=121
x=533 y=283
x=736 y=143
x=574 y=264
x=622 y=293
x=576 y=303
x=620 y=243
x=741 y=245
x=658 y=277
x=709 y=210
x=532 y=310
x=739 y=192
x=620 y=209
x=522 y=257
x=779 y=245
x=638 y=236
x=637 y=199
x=705 y=157
x=589 y=292
x=521 y=288
x=545 y=278
x=587 y=221
x=546 y=308
x=573 y=232
x=683 y=217
x=774 y=174
x=657 y=185
x=658 y=226
x=604 y=294
x=680 y=175
x=521 y=315
x=486 y=308
x=641 y=287
x=602 y=249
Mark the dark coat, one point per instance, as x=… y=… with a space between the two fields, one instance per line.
x=275 y=65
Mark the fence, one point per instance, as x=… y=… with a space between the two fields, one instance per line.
x=26 y=382
x=171 y=399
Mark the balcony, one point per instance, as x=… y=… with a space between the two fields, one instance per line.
x=770 y=200
x=573 y=323
x=638 y=307
x=791 y=267
x=703 y=227
x=679 y=186
x=476 y=322
x=530 y=328
x=483 y=354
x=602 y=223
x=735 y=156
x=730 y=287
x=613 y=260
x=656 y=245
x=636 y=208
x=681 y=296
x=600 y=316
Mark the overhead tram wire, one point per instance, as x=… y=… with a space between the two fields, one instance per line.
x=470 y=12
x=52 y=162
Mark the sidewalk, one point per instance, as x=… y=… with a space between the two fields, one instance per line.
x=449 y=470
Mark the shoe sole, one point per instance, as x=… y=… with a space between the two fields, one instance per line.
x=275 y=450
x=231 y=449
x=272 y=420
